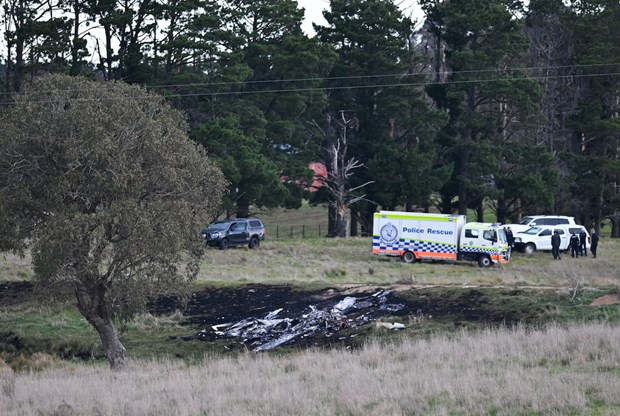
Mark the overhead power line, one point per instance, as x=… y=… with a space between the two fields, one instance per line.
x=399 y=75
x=365 y=77
x=352 y=87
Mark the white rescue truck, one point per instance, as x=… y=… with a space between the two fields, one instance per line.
x=415 y=236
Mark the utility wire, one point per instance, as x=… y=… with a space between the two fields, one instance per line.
x=400 y=75
x=333 y=88
x=367 y=77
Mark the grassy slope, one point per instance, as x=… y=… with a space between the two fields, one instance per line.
x=320 y=262
x=317 y=261
x=307 y=263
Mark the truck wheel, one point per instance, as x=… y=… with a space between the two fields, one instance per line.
x=529 y=249
x=408 y=257
x=254 y=243
x=484 y=261
x=224 y=244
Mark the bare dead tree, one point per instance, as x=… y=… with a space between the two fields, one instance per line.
x=339 y=173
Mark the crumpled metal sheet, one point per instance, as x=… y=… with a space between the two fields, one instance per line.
x=274 y=330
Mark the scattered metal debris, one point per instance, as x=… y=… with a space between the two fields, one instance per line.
x=390 y=325
x=273 y=329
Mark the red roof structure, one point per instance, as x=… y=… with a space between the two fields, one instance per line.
x=320 y=176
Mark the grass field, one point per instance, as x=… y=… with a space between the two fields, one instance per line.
x=565 y=361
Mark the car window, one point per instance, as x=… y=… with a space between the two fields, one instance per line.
x=489 y=235
x=560 y=231
x=241 y=226
x=472 y=233
x=255 y=223
x=545 y=233
x=532 y=231
x=220 y=225
x=562 y=221
x=525 y=221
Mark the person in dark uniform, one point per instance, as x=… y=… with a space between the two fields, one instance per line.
x=555 y=245
x=582 y=243
x=574 y=245
x=594 y=244
x=510 y=239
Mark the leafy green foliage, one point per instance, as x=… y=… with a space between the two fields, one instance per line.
x=483 y=41
x=103 y=183
x=374 y=83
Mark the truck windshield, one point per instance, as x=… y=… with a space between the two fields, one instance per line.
x=220 y=225
x=532 y=230
x=525 y=221
x=501 y=236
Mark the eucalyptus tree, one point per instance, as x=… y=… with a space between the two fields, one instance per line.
x=262 y=83
x=373 y=80
x=487 y=96
x=129 y=30
x=36 y=36
x=100 y=181
x=593 y=156
x=550 y=31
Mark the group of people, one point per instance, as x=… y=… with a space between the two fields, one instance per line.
x=577 y=244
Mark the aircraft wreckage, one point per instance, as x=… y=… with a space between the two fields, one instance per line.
x=275 y=329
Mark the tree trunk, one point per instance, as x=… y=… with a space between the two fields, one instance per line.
x=502 y=211
x=353 y=227
x=341 y=222
x=114 y=350
x=331 y=221
x=243 y=209
x=92 y=304
x=463 y=174
x=480 y=212
x=75 y=56
x=615 y=225
x=366 y=218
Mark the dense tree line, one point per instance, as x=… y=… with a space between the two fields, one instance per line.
x=499 y=103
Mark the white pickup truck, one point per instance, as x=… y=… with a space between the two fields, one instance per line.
x=540 y=221
x=539 y=238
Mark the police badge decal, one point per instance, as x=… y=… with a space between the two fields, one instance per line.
x=389 y=233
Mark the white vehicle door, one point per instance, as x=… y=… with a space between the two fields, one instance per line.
x=563 y=238
x=544 y=240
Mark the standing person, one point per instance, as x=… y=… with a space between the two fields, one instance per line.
x=574 y=245
x=583 y=237
x=594 y=245
x=510 y=238
x=555 y=245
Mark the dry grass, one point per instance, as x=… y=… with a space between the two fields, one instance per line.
x=549 y=371
x=15 y=268
x=348 y=261
x=322 y=261
x=554 y=370
x=330 y=261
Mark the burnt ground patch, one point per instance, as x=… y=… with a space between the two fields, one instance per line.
x=419 y=309
x=14 y=293
x=431 y=307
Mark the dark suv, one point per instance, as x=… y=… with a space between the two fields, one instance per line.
x=233 y=233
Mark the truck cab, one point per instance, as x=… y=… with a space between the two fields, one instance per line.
x=485 y=243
